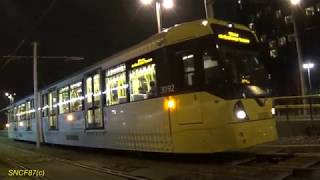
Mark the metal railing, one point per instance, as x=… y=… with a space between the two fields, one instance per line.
x=297 y=108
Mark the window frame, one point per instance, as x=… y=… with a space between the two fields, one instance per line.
x=130 y=69
x=104 y=82
x=68 y=99
x=93 y=106
x=53 y=112
x=82 y=95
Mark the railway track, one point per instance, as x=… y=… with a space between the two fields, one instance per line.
x=276 y=165
x=12 y=163
x=101 y=170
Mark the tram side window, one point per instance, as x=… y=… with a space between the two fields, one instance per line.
x=28 y=108
x=45 y=105
x=32 y=113
x=22 y=112
x=52 y=103
x=15 y=116
x=116 y=85
x=143 y=83
x=93 y=100
x=212 y=73
x=189 y=69
x=28 y=115
x=96 y=90
x=63 y=100
x=76 y=97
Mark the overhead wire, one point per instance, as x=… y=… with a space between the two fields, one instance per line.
x=26 y=38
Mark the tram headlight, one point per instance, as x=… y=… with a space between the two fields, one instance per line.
x=7 y=125
x=241 y=114
x=239 y=111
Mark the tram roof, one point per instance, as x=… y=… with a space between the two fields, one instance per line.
x=173 y=35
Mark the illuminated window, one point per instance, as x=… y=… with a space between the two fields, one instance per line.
x=96 y=90
x=63 y=100
x=143 y=83
x=22 y=112
x=93 y=102
x=288 y=19
x=273 y=53
x=89 y=93
x=309 y=11
x=272 y=44
x=212 y=73
x=32 y=114
x=278 y=14
x=76 y=97
x=282 y=41
x=52 y=103
x=45 y=105
x=28 y=108
x=116 y=86
x=263 y=38
x=28 y=115
x=189 y=69
x=251 y=26
x=15 y=111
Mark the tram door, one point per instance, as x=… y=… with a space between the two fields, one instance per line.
x=189 y=111
x=93 y=103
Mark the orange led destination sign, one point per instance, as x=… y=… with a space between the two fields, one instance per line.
x=141 y=62
x=235 y=37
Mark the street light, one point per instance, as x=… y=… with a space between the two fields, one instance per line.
x=309 y=66
x=167 y=4
x=10 y=97
x=295 y=3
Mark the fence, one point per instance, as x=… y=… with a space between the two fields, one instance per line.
x=298 y=116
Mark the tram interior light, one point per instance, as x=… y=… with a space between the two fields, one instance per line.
x=70 y=117
x=273 y=111
x=204 y=22
x=146 y=2
x=20 y=124
x=295 y=2
x=168 y=4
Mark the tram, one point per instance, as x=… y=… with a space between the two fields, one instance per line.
x=197 y=87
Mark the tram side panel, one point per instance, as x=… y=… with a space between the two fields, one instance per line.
x=139 y=126
x=12 y=133
x=24 y=134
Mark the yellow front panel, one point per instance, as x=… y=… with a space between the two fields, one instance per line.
x=204 y=123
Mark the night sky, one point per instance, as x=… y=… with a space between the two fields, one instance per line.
x=93 y=29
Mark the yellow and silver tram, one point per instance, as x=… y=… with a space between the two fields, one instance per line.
x=198 y=87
